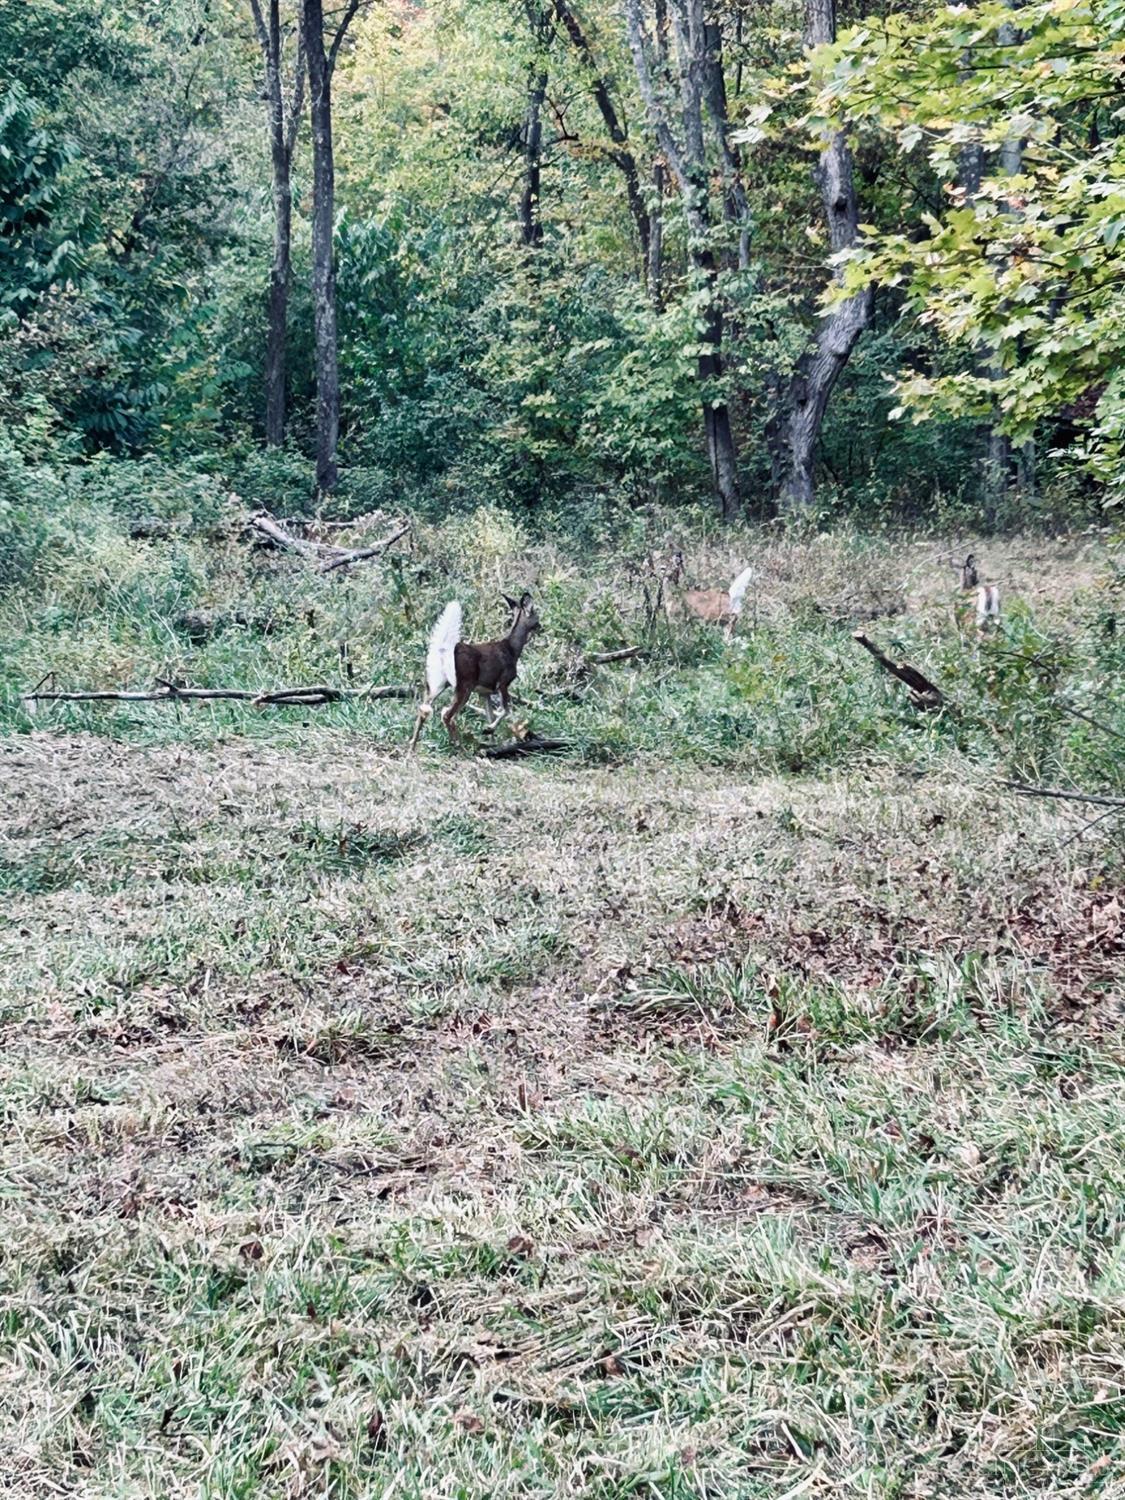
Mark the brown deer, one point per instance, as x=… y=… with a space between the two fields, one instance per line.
x=715 y=606
x=488 y=668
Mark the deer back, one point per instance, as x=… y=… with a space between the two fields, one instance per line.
x=704 y=604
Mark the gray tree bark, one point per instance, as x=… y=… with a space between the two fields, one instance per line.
x=685 y=157
x=736 y=208
x=321 y=66
x=284 y=120
x=655 y=258
x=818 y=370
x=531 y=225
x=1003 y=467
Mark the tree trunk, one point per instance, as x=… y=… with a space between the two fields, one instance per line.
x=531 y=224
x=282 y=135
x=686 y=159
x=656 y=238
x=736 y=209
x=818 y=370
x=1002 y=466
x=323 y=263
x=278 y=311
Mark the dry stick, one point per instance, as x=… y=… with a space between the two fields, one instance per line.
x=169 y=693
x=601 y=658
x=521 y=747
x=1026 y=790
x=1077 y=713
x=1110 y=812
x=361 y=554
x=923 y=693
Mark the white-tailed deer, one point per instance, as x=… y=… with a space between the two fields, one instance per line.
x=716 y=606
x=988 y=607
x=488 y=668
x=986 y=597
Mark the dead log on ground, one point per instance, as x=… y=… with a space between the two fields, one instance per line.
x=361 y=554
x=327 y=554
x=170 y=692
x=923 y=693
x=530 y=746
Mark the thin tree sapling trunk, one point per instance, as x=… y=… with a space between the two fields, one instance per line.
x=819 y=369
x=284 y=119
x=321 y=66
x=685 y=156
x=622 y=154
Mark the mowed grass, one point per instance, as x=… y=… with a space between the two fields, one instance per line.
x=728 y=1107
x=455 y=1129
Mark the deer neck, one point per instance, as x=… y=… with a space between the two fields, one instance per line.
x=518 y=635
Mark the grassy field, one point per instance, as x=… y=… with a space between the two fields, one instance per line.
x=729 y=1107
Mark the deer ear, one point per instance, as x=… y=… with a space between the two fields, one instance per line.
x=525 y=599
x=511 y=603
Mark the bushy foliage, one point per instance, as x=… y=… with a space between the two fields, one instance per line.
x=1020 y=261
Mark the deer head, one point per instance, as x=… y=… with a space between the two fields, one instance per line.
x=525 y=619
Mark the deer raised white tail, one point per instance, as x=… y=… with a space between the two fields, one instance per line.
x=715 y=606
x=441 y=669
x=738 y=590
x=988 y=607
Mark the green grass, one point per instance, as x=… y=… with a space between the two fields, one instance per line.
x=729 y=1108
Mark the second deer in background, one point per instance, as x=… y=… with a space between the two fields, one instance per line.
x=986 y=597
x=716 y=606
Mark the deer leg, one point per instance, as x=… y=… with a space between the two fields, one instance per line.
x=425 y=709
x=496 y=713
x=460 y=698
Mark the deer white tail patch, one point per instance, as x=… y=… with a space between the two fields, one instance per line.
x=441 y=671
x=988 y=606
x=738 y=590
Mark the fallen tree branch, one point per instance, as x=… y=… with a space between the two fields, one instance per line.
x=361 y=554
x=326 y=553
x=1026 y=789
x=265 y=525
x=170 y=692
x=923 y=693
x=602 y=658
x=522 y=747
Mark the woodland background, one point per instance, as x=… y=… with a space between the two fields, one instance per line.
x=577 y=253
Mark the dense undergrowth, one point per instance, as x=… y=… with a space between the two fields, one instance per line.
x=133 y=575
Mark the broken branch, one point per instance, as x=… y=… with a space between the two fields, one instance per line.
x=361 y=554
x=601 y=658
x=326 y=553
x=522 y=747
x=923 y=693
x=265 y=525
x=1026 y=789
x=308 y=697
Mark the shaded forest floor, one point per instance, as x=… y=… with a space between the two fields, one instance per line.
x=646 y=1126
